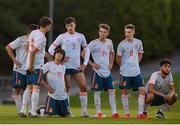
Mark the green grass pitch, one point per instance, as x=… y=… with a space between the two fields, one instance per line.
x=8 y=112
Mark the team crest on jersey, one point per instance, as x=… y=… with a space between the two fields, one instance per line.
x=67 y=40
x=109 y=46
x=59 y=74
x=78 y=40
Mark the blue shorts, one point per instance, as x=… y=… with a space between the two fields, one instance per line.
x=72 y=71
x=19 y=80
x=98 y=83
x=35 y=77
x=131 y=82
x=56 y=107
x=157 y=100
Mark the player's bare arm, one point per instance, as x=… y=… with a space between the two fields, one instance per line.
x=171 y=93
x=48 y=87
x=152 y=90
x=48 y=56
x=32 y=56
x=12 y=56
x=93 y=65
x=118 y=60
x=111 y=60
x=86 y=59
x=140 y=56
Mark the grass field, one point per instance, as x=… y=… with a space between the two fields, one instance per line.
x=8 y=112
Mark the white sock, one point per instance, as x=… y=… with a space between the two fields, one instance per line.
x=68 y=98
x=125 y=103
x=97 y=101
x=141 y=100
x=17 y=99
x=26 y=99
x=30 y=103
x=112 y=100
x=34 y=101
x=164 y=108
x=83 y=100
x=68 y=102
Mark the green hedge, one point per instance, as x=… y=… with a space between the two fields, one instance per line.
x=157 y=21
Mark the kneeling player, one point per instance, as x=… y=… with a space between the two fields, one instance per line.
x=160 y=89
x=56 y=103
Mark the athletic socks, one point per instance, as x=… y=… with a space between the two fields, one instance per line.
x=125 y=103
x=112 y=100
x=83 y=100
x=34 y=100
x=164 y=108
x=141 y=100
x=17 y=99
x=97 y=101
x=26 y=99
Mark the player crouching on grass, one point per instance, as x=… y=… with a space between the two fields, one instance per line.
x=160 y=89
x=57 y=102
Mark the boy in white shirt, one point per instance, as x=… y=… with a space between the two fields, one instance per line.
x=57 y=102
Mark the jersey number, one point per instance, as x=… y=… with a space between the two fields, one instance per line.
x=59 y=74
x=73 y=45
x=131 y=52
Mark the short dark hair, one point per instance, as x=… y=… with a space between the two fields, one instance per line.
x=129 y=26
x=68 y=20
x=59 y=50
x=31 y=27
x=44 y=21
x=104 y=26
x=165 y=61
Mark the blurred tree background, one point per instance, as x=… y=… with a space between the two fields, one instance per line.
x=157 y=21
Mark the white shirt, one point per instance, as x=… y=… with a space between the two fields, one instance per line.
x=100 y=52
x=129 y=52
x=55 y=78
x=19 y=45
x=71 y=44
x=160 y=84
x=37 y=39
